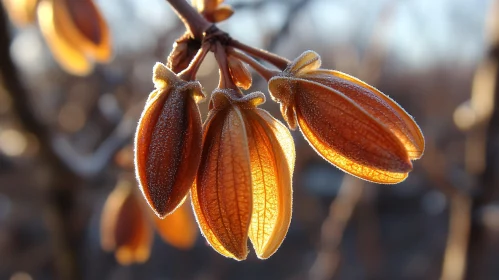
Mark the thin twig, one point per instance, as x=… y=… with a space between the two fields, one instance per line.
x=454 y=265
x=333 y=228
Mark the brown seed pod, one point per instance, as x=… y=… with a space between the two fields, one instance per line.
x=351 y=124
x=168 y=141
x=124 y=229
x=243 y=187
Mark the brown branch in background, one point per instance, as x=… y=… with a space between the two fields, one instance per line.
x=333 y=228
x=90 y=166
x=284 y=30
x=368 y=233
x=59 y=188
x=367 y=238
x=481 y=245
x=454 y=265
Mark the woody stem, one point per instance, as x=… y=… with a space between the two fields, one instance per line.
x=189 y=74
x=225 y=76
x=263 y=71
x=278 y=61
x=195 y=24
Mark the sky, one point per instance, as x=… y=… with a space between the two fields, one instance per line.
x=419 y=33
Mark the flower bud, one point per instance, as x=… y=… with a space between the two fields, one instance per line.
x=213 y=10
x=239 y=73
x=184 y=50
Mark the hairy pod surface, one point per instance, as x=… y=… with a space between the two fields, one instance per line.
x=351 y=124
x=168 y=141
x=124 y=229
x=243 y=188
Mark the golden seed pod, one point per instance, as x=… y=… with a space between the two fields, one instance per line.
x=239 y=73
x=243 y=187
x=168 y=141
x=351 y=124
x=221 y=13
x=124 y=229
x=178 y=229
x=65 y=52
x=82 y=24
x=76 y=34
x=21 y=12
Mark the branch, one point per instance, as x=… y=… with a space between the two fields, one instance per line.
x=284 y=30
x=59 y=188
x=193 y=21
x=340 y=212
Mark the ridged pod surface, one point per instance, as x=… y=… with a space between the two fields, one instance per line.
x=168 y=141
x=351 y=124
x=243 y=187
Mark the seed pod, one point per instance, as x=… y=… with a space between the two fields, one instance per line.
x=243 y=187
x=179 y=228
x=123 y=227
x=351 y=124
x=21 y=12
x=82 y=24
x=168 y=141
x=66 y=53
x=221 y=13
x=213 y=10
x=239 y=73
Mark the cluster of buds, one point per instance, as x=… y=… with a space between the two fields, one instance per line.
x=74 y=30
x=238 y=165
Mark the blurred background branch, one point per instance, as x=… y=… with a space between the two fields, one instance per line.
x=60 y=183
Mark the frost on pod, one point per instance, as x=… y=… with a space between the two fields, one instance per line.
x=168 y=141
x=351 y=124
x=243 y=187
